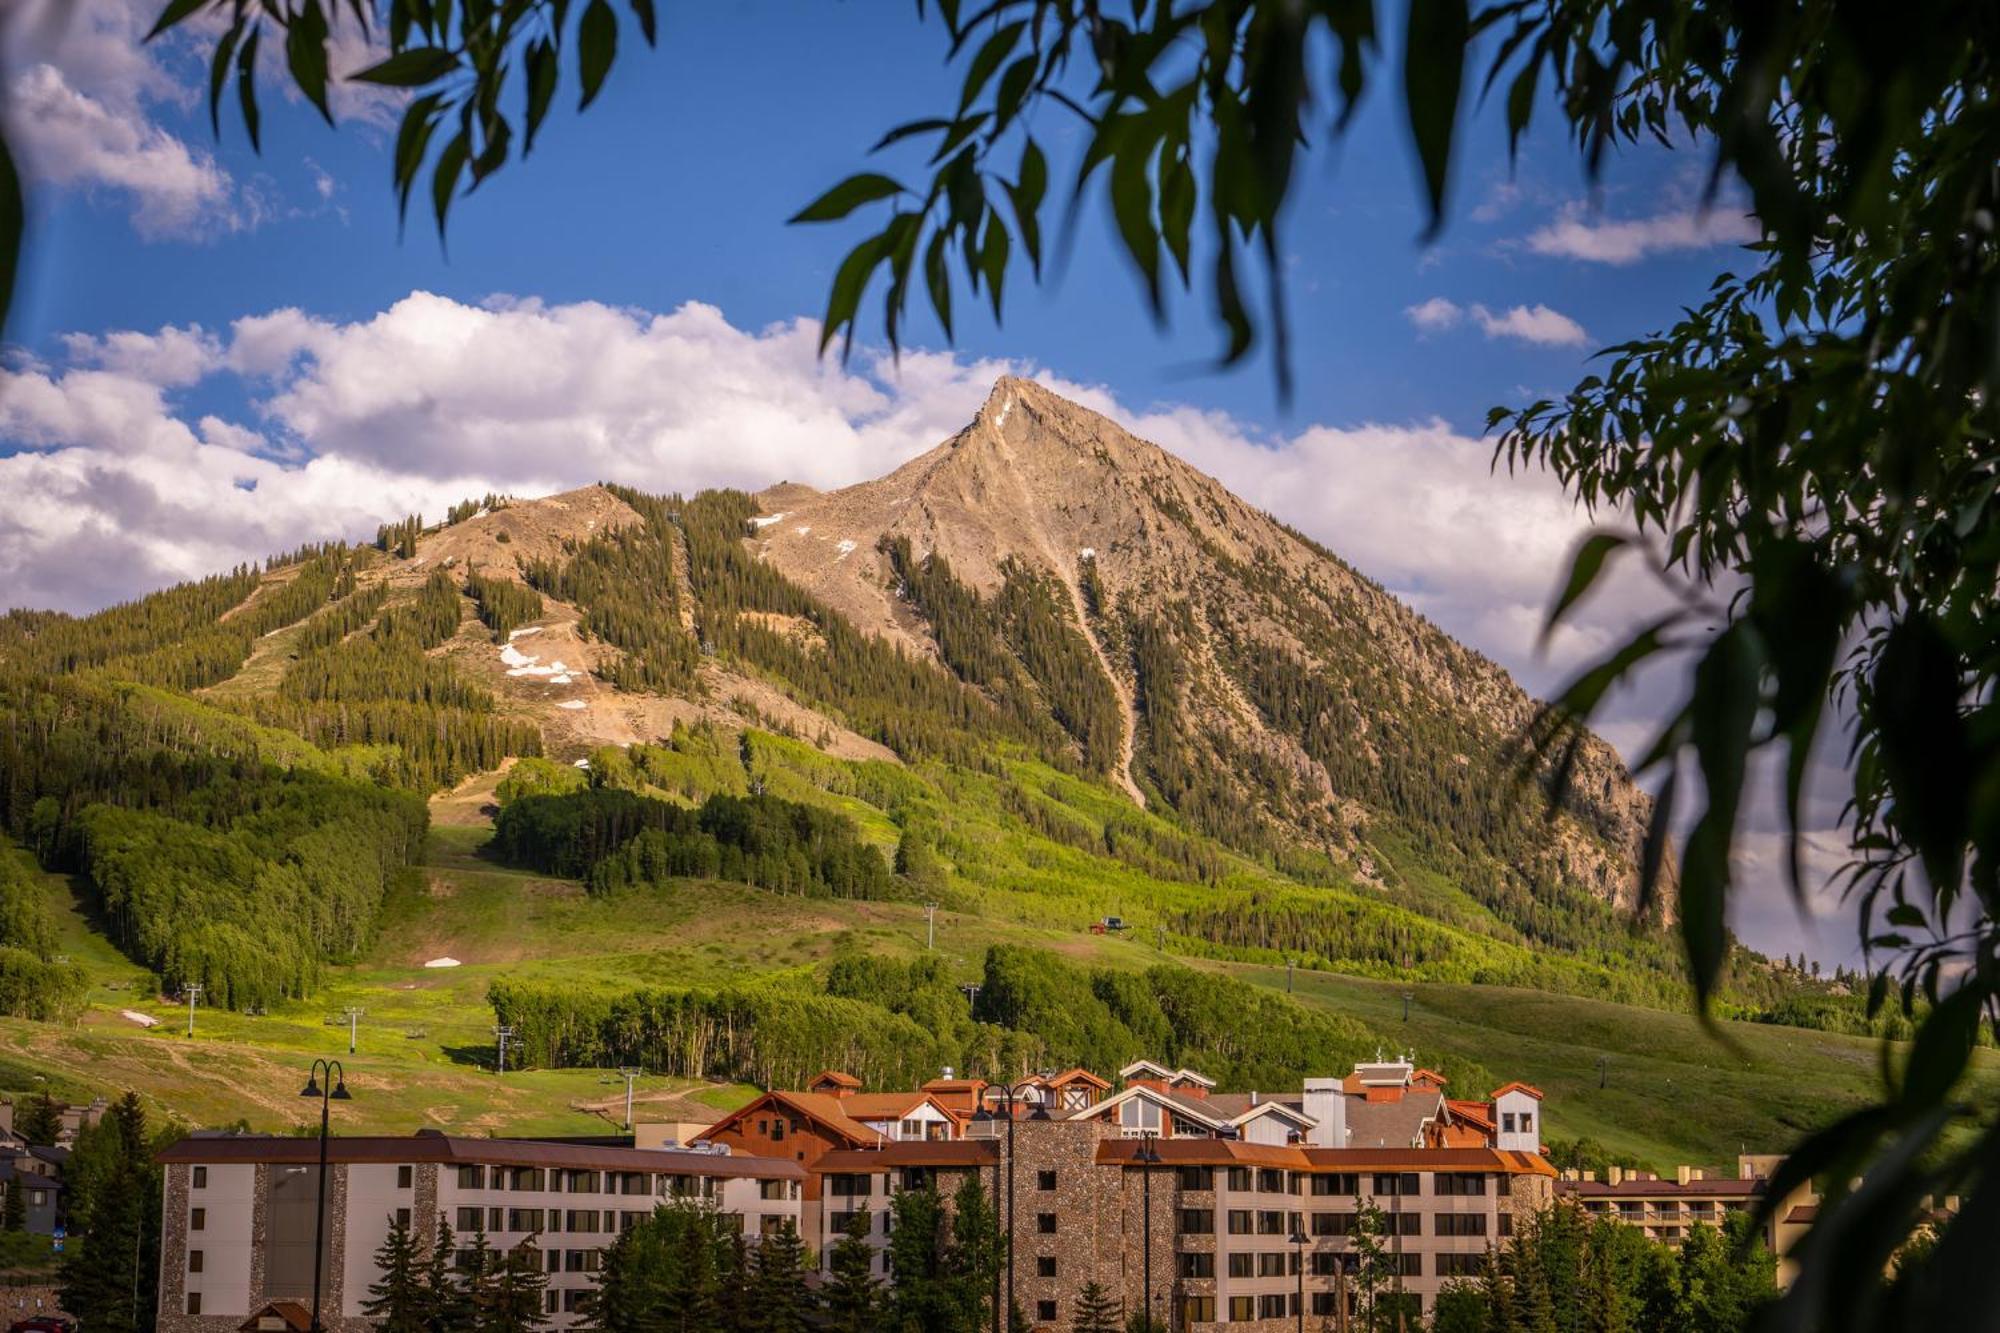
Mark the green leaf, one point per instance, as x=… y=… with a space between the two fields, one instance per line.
x=1584 y=568
x=218 y=74
x=13 y=222
x=305 y=55
x=175 y=12
x=862 y=188
x=1132 y=207
x=1727 y=695
x=991 y=52
x=246 y=85
x=1433 y=69
x=410 y=69
x=649 y=21
x=539 y=71
x=597 y=46
x=444 y=178
x=1926 y=753
x=937 y=277
x=413 y=139
x=1942 y=1046
x=849 y=281
x=993 y=260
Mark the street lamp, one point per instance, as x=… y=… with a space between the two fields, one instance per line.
x=334 y=1091
x=1299 y=1263
x=1148 y=1157
x=1012 y=1097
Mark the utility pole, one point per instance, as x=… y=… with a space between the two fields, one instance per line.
x=1603 y=1071
x=503 y=1031
x=193 y=991
x=930 y=925
x=353 y=1017
x=972 y=989
x=1406 y=1006
x=1288 y=976
x=629 y=1074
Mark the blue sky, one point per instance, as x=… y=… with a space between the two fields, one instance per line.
x=220 y=354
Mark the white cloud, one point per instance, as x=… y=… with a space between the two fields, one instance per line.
x=1531 y=323
x=81 y=90
x=1435 y=315
x=1599 y=240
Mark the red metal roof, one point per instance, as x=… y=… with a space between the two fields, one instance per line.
x=1232 y=1152
x=936 y=1152
x=454 y=1150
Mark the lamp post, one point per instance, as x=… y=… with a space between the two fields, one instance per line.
x=1011 y=1094
x=1299 y=1263
x=334 y=1091
x=1148 y=1157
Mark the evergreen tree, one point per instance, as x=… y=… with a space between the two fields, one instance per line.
x=1096 y=1311
x=1534 y=1307
x=975 y=1256
x=447 y=1298
x=779 y=1301
x=478 y=1281
x=515 y=1299
x=917 y=1296
x=1374 y=1265
x=108 y=1283
x=853 y=1296
x=1460 y=1308
x=1604 y=1305
x=398 y=1301
x=40 y=1121
x=14 y=1208
x=1497 y=1286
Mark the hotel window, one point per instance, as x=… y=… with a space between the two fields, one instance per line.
x=1271 y=1307
x=1325 y=1264
x=1241 y=1222
x=1239 y=1177
x=1045 y=1311
x=405 y=1177
x=1405 y=1183
x=550 y=1300
x=1196 y=1177
x=774 y=1189
x=852 y=1186
x=1045 y=1265
x=496 y=1219
x=1463 y=1184
x=1413 y=1263
x=469 y=1219
x=1527 y=1122
x=1270 y=1222
x=1270 y=1182
x=524 y=1219
x=1198 y=1265
x=528 y=1178
x=1507 y=1122
x=1200 y=1309
x=1045 y=1180
x=574 y=1299
x=197 y=1219
x=194 y=1302
x=194 y=1261
x=200 y=1178
x=403 y=1216
x=554 y=1264
x=1242 y=1308
x=1506 y=1224
x=1459 y=1224
x=1346 y=1184
x=777 y=1131
x=1271 y=1264
x=1407 y=1224
x=471 y=1177
x=1139 y=1115
x=1242 y=1264
x=1197 y=1222
x=581 y=1221
x=1045 y=1223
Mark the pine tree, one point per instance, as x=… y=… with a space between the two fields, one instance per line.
x=515 y=1300
x=1534 y=1309
x=14 y=1208
x=974 y=1258
x=397 y=1301
x=1497 y=1286
x=105 y=1282
x=1096 y=1311
x=477 y=1283
x=40 y=1121
x=779 y=1301
x=1603 y=1302
x=447 y=1300
x=853 y=1296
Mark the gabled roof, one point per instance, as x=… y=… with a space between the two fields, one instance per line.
x=1145 y=1069
x=296 y=1318
x=835 y=1077
x=1534 y=1092
x=1429 y=1075
x=1184 y=1107
x=1280 y=1109
x=888 y=1105
x=1078 y=1075
x=823 y=1109
x=1477 y=1113
x=1190 y=1076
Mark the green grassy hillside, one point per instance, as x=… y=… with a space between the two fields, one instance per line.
x=1676 y=1094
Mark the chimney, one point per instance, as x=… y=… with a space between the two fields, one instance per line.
x=1253 y=1096
x=1326 y=1103
x=1683 y=1174
x=1615 y=1175
x=1588 y=1174
x=947 y=1073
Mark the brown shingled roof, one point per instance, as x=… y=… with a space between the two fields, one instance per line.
x=937 y=1152
x=455 y=1150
